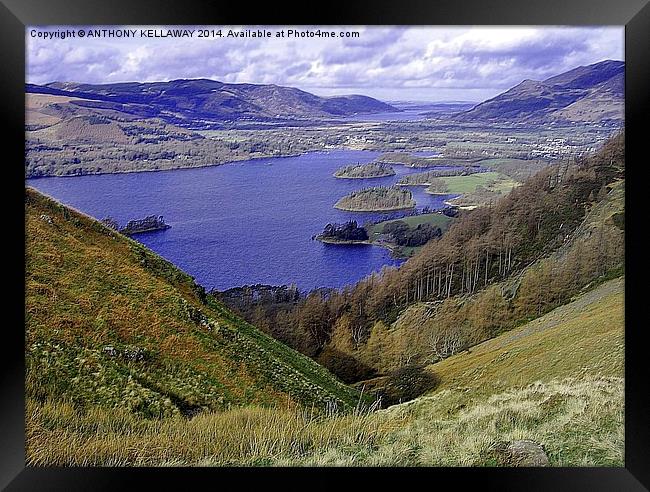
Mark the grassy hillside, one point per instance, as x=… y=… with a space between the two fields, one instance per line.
x=558 y=380
x=559 y=384
x=109 y=323
x=579 y=338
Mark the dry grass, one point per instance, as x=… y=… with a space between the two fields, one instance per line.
x=579 y=422
x=59 y=434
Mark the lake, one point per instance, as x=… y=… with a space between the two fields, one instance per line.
x=246 y=222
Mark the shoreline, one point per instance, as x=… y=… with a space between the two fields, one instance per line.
x=366 y=242
x=345 y=242
x=461 y=207
x=364 y=177
x=143 y=231
x=374 y=209
x=415 y=184
x=181 y=168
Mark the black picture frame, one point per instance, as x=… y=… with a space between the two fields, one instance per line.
x=16 y=14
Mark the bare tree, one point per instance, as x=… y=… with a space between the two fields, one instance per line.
x=444 y=343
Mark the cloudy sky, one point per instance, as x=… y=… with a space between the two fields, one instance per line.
x=394 y=64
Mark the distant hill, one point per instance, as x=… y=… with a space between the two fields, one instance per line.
x=110 y=323
x=593 y=93
x=181 y=100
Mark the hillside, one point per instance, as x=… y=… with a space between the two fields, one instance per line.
x=65 y=137
x=593 y=94
x=583 y=337
x=113 y=325
x=556 y=381
x=193 y=101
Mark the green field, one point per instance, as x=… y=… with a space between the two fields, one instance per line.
x=493 y=181
x=517 y=169
x=503 y=162
x=435 y=219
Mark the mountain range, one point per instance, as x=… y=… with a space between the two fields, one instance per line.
x=593 y=93
x=178 y=101
x=586 y=94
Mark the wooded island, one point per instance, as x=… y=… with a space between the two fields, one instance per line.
x=362 y=171
x=376 y=199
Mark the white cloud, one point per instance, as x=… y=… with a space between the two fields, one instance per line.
x=389 y=62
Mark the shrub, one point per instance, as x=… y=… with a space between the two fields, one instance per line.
x=409 y=382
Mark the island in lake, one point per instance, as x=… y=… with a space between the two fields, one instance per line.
x=347 y=233
x=363 y=171
x=377 y=199
x=148 y=224
x=403 y=236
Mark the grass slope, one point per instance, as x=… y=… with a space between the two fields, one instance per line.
x=111 y=324
x=562 y=389
x=582 y=337
x=557 y=380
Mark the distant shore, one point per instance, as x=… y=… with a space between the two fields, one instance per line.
x=374 y=209
x=365 y=177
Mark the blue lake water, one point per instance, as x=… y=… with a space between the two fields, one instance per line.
x=246 y=222
x=405 y=115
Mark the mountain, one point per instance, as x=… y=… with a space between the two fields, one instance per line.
x=109 y=323
x=593 y=94
x=187 y=102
